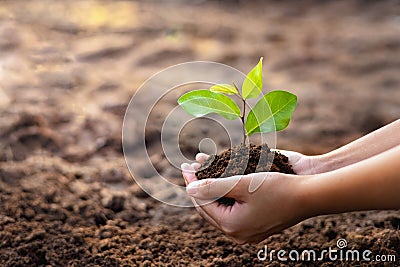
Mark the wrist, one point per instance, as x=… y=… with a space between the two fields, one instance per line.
x=327 y=193
x=317 y=195
x=325 y=163
x=305 y=195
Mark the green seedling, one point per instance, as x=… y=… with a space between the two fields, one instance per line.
x=271 y=113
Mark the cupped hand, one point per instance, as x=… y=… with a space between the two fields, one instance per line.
x=301 y=164
x=274 y=206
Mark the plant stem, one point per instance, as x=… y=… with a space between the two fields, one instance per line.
x=243 y=114
x=243 y=125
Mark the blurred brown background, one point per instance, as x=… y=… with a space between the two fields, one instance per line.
x=69 y=68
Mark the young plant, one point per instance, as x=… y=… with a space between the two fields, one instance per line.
x=271 y=113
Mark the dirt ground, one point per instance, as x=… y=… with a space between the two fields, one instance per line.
x=68 y=70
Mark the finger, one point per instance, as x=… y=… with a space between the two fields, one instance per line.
x=201 y=157
x=184 y=166
x=234 y=187
x=188 y=173
x=204 y=214
x=212 y=210
x=222 y=215
x=257 y=179
x=195 y=166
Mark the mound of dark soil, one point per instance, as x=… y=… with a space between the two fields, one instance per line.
x=243 y=160
x=66 y=196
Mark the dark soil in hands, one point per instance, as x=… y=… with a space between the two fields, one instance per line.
x=243 y=160
x=66 y=197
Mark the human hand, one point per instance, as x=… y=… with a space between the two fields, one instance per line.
x=274 y=206
x=303 y=164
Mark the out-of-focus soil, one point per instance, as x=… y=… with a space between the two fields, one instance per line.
x=68 y=70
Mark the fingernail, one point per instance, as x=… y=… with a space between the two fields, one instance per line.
x=192 y=190
x=185 y=166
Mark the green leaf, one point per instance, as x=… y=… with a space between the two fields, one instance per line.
x=224 y=88
x=271 y=113
x=202 y=102
x=252 y=85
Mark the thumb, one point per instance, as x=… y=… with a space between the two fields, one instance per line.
x=233 y=187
